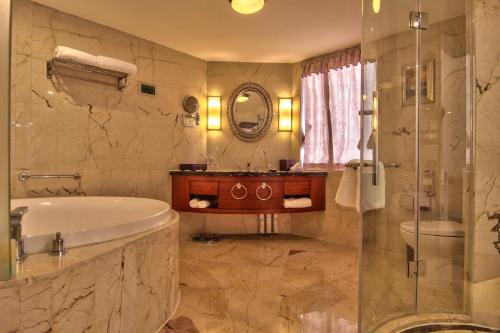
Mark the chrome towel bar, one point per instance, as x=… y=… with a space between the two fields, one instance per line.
x=368 y=164
x=23 y=176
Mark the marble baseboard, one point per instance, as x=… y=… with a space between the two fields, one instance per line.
x=132 y=286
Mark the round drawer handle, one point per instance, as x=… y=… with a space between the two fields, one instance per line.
x=264 y=186
x=239 y=186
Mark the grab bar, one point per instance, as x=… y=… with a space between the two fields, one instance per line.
x=369 y=164
x=23 y=176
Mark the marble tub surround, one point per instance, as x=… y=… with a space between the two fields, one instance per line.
x=126 y=285
x=270 y=284
x=122 y=143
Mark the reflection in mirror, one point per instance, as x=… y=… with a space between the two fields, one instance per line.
x=250 y=112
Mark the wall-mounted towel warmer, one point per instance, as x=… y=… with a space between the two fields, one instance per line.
x=76 y=70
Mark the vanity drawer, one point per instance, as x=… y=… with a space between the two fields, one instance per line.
x=203 y=187
x=297 y=187
x=246 y=195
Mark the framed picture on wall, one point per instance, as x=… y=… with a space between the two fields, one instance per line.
x=409 y=83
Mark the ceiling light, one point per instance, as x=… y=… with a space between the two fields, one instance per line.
x=247 y=6
x=376 y=6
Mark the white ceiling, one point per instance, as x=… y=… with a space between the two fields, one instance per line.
x=284 y=31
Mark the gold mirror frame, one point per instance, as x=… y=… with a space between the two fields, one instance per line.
x=250 y=86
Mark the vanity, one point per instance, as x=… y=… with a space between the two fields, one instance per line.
x=233 y=192
x=249 y=114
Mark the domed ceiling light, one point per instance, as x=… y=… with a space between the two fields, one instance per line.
x=247 y=6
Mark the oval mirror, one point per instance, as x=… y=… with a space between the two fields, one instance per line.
x=250 y=111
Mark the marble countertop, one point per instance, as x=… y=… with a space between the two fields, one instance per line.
x=246 y=173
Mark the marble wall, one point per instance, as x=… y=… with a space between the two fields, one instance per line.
x=227 y=149
x=335 y=224
x=121 y=142
x=126 y=285
x=486 y=259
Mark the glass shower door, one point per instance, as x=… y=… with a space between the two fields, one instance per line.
x=443 y=147
x=415 y=148
x=389 y=126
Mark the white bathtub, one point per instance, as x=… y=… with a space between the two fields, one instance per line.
x=88 y=220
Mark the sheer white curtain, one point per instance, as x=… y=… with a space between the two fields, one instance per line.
x=314 y=120
x=345 y=104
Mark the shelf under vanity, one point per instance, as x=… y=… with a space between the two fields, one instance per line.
x=233 y=192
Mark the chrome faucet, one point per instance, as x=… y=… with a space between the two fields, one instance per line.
x=58 y=248
x=16 y=217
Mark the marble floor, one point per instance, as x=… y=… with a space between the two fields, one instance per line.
x=267 y=284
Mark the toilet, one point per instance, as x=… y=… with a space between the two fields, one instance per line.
x=442 y=250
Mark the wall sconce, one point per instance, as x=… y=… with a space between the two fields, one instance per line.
x=214 y=113
x=285 y=115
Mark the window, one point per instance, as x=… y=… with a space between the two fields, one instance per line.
x=330 y=121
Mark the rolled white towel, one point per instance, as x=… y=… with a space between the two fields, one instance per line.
x=297 y=167
x=297 y=202
x=117 y=65
x=68 y=53
x=203 y=204
x=193 y=203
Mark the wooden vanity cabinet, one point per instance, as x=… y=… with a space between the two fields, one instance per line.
x=233 y=194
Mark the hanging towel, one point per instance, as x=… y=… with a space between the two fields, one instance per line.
x=297 y=202
x=373 y=195
x=347 y=191
x=68 y=53
x=117 y=65
x=193 y=203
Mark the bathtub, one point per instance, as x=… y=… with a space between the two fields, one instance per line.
x=88 y=220
x=120 y=246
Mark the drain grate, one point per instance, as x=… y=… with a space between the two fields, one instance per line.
x=206 y=238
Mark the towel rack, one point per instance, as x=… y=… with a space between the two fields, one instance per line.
x=368 y=164
x=77 y=70
x=23 y=176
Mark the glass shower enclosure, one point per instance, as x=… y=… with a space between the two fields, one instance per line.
x=5 y=266
x=416 y=124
